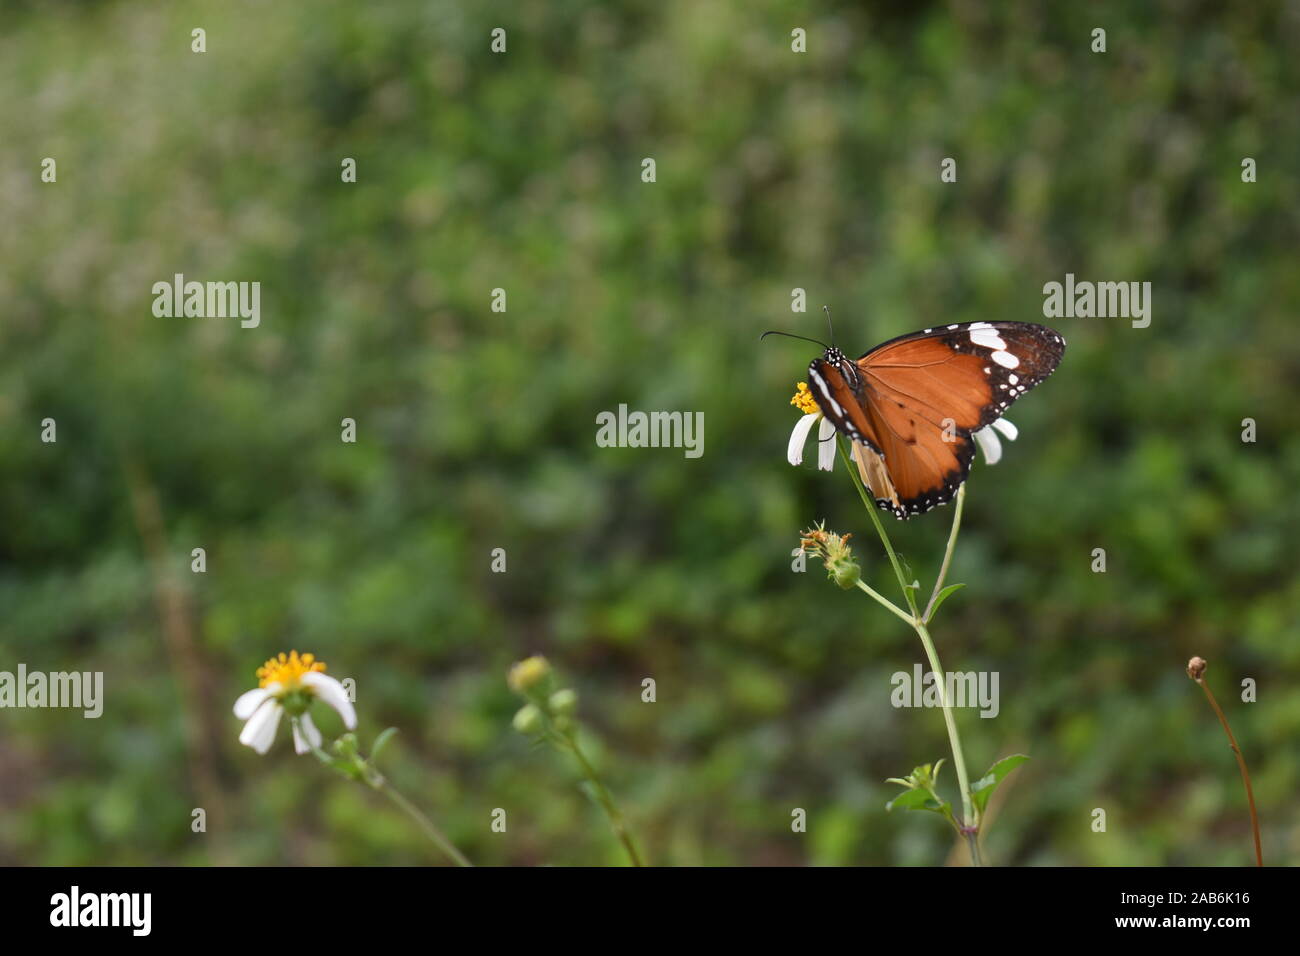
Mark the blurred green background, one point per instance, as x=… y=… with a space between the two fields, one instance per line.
x=476 y=429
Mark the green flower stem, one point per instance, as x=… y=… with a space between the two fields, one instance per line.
x=970 y=822
x=947 y=555
x=870 y=505
x=424 y=823
x=367 y=774
x=603 y=797
x=969 y=819
x=885 y=602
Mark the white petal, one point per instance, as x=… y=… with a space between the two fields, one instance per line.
x=304 y=728
x=259 y=732
x=1008 y=430
x=987 y=439
x=249 y=702
x=826 y=445
x=794 y=453
x=332 y=692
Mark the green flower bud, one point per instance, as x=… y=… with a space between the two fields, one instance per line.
x=846 y=574
x=564 y=702
x=528 y=720
x=528 y=674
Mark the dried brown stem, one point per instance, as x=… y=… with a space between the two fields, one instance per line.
x=176 y=620
x=1196 y=671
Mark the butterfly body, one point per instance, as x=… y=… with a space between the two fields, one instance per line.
x=911 y=405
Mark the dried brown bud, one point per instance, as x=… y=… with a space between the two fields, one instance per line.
x=1196 y=668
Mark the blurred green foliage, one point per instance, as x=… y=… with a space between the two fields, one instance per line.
x=476 y=429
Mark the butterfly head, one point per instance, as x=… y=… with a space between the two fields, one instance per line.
x=842 y=364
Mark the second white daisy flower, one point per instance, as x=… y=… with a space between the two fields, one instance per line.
x=290 y=683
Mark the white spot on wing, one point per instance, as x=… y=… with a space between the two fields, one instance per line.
x=988 y=338
x=1006 y=360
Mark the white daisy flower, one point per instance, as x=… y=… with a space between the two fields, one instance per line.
x=290 y=683
x=987 y=439
x=804 y=401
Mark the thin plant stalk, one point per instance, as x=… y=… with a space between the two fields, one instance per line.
x=947 y=555
x=604 y=798
x=970 y=821
x=378 y=782
x=425 y=824
x=1241 y=760
x=884 y=601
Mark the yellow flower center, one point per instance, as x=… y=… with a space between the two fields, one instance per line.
x=803 y=400
x=287 y=670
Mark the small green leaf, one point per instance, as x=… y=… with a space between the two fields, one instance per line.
x=920 y=800
x=381 y=741
x=910 y=800
x=943 y=596
x=983 y=788
x=910 y=591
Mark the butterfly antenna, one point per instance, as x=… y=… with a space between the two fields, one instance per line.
x=791 y=335
x=829 y=324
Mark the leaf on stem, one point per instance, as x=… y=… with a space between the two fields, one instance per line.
x=381 y=741
x=941 y=597
x=922 y=800
x=910 y=592
x=983 y=788
x=912 y=800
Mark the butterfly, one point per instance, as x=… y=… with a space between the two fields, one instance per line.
x=911 y=405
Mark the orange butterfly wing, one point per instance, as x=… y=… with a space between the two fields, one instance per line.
x=916 y=400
